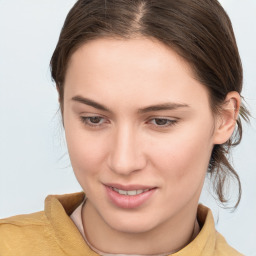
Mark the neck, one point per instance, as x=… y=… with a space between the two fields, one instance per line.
x=169 y=237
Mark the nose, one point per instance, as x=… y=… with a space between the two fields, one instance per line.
x=126 y=155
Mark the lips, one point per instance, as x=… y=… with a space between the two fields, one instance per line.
x=129 y=197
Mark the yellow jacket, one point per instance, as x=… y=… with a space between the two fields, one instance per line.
x=53 y=233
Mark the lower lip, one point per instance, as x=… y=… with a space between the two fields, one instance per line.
x=129 y=202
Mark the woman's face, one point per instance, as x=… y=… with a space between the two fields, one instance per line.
x=139 y=131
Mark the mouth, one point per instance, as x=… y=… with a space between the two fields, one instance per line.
x=130 y=192
x=129 y=197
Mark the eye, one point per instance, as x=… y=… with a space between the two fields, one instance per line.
x=94 y=121
x=162 y=122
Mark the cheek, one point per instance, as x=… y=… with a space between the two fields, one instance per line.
x=183 y=157
x=86 y=152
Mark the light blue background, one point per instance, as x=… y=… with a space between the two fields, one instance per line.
x=33 y=156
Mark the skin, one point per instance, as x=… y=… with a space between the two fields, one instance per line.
x=168 y=149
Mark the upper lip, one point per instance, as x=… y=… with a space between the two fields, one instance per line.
x=129 y=187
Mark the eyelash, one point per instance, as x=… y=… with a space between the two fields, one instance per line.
x=85 y=119
x=170 y=122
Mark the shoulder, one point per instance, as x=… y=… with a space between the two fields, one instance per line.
x=37 y=218
x=48 y=232
x=209 y=241
x=20 y=223
x=20 y=232
x=223 y=248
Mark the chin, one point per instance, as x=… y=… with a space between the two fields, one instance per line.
x=131 y=224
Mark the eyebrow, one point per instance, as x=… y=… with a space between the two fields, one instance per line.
x=91 y=103
x=158 y=107
x=164 y=106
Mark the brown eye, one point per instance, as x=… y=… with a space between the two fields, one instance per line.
x=94 y=121
x=162 y=122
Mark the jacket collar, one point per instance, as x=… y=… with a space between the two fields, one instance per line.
x=59 y=208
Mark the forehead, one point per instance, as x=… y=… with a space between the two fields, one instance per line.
x=140 y=53
x=139 y=69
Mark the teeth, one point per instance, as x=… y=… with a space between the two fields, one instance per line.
x=115 y=189
x=130 y=192
x=139 y=191
x=122 y=192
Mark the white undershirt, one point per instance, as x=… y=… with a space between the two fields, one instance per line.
x=76 y=216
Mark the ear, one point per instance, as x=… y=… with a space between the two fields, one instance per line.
x=226 y=120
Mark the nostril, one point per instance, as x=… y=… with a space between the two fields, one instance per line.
x=125 y=166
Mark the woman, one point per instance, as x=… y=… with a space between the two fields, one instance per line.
x=149 y=93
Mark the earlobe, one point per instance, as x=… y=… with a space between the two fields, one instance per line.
x=226 y=120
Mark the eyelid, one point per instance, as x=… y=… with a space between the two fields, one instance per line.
x=171 y=122
x=84 y=119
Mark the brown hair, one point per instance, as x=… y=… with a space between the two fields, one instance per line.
x=200 y=31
